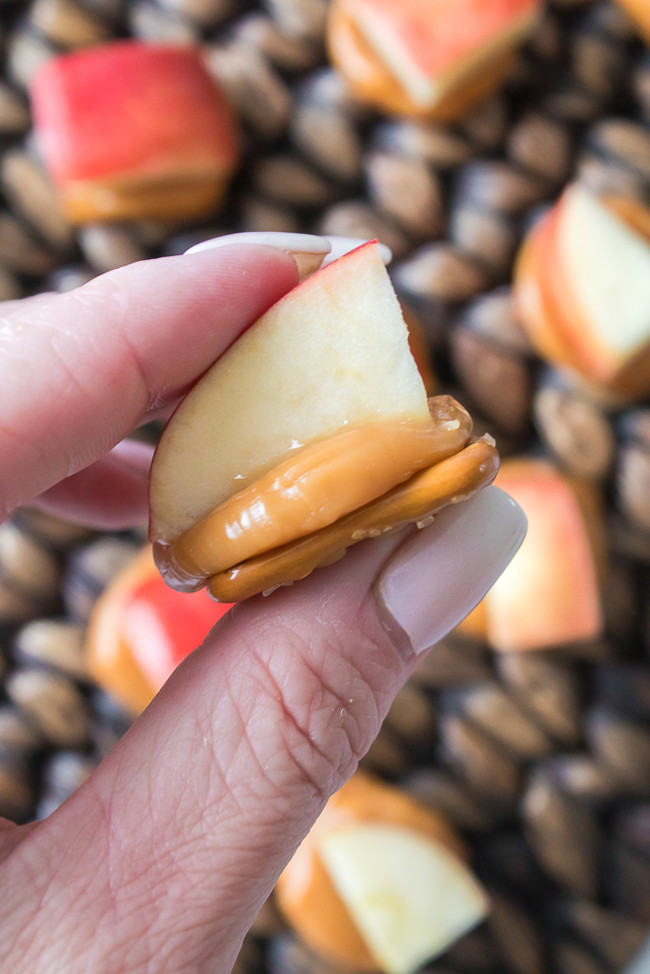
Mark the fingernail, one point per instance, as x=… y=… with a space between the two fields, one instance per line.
x=343 y=245
x=308 y=250
x=439 y=574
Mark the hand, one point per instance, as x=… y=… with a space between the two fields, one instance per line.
x=162 y=858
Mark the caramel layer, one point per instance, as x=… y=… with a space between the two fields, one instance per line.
x=179 y=196
x=320 y=484
x=428 y=491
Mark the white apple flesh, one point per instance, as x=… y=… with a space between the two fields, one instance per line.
x=606 y=265
x=409 y=896
x=549 y=594
x=430 y=46
x=331 y=354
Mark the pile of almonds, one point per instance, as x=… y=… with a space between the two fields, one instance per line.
x=539 y=758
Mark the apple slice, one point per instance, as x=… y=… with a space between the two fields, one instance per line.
x=140 y=630
x=332 y=354
x=602 y=273
x=582 y=290
x=131 y=130
x=410 y=897
x=313 y=891
x=268 y=470
x=428 y=57
x=550 y=593
x=533 y=306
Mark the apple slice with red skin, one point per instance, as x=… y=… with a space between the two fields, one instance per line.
x=550 y=594
x=141 y=630
x=544 y=301
x=598 y=280
x=430 y=58
x=327 y=418
x=582 y=289
x=130 y=130
x=331 y=355
x=532 y=302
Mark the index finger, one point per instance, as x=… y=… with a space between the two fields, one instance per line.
x=79 y=370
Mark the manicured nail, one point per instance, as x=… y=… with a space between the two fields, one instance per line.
x=440 y=573
x=343 y=245
x=306 y=249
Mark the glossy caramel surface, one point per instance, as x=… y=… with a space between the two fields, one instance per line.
x=312 y=489
x=427 y=492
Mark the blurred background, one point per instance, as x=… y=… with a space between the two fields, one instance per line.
x=527 y=729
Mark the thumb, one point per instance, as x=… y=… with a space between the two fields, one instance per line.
x=161 y=860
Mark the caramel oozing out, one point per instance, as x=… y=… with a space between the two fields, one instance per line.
x=322 y=483
x=428 y=491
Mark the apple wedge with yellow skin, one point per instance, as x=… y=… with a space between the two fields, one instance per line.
x=382 y=826
x=317 y=412
x=428 y=58
x=332 y=354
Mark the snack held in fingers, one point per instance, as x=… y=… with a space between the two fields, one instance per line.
x=311 y=433
x=381 y=883
x=582 y=291
x=428 y=58
x=140 y=630
x=130 y=130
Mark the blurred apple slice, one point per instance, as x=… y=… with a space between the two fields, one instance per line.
x=601 y=274
x=428 y=57
x=427 y=43
x=582 y=291
x=130 y=130
x=331 y=354
x=308 y=896
x=409 y=896
x=140 y=630
x=549 y=594
x=538 y=315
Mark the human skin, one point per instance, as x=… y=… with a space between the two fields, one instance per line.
x=161 y=859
